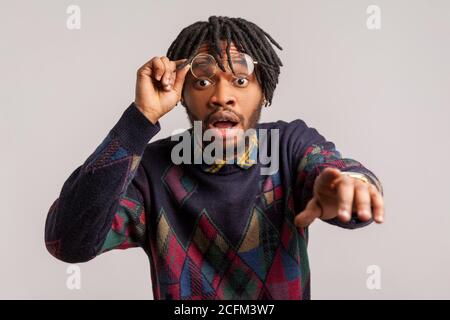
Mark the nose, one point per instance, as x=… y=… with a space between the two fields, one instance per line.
x=222 y=96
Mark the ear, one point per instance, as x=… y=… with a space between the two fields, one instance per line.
x=263 y=101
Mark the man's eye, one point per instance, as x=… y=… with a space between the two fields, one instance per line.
x=203 y=83
x=240 y=82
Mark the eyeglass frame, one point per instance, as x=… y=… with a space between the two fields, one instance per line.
x=254 y=62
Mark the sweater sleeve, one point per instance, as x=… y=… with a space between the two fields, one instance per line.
x=312 y=153
x=101 y=206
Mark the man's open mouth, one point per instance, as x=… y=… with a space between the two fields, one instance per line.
x=223 y=121
x=224 y=124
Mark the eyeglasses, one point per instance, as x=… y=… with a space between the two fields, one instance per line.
x=204 y=66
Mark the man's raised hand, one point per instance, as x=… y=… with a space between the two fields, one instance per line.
x=159 y=86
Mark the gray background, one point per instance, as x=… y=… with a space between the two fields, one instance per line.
x=382 y=96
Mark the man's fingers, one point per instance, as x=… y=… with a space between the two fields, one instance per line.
x=328 y=175
x=345 y=192
x=362 y=201
x=157 y=68
x=166 y=71
x=349 y=195
x=180 y=76
x=377 y=203
x=307 y=216
x=172 y=78
x=169 y=69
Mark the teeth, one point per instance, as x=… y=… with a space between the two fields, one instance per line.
x=224 y=119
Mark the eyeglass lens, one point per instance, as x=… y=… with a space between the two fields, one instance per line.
x=205 y=66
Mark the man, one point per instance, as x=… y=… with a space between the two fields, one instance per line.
x=222 y=229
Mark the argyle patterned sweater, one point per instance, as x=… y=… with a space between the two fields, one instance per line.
x=222 y=235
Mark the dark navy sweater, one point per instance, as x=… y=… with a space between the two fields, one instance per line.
x=223 y=235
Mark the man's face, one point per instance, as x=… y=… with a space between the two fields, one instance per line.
x=237 y=100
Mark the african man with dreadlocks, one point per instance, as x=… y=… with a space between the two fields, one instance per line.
x=220 y=229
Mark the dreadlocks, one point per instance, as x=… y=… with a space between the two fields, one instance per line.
x=246 y=36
